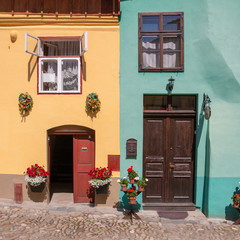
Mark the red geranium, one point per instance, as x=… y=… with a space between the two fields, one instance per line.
x=131 y=193
x=36 y=170
x=100 y=173
x=130 y=169
x=130 y=190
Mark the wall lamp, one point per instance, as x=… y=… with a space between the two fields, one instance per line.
x=171 y=83
x=206 y=106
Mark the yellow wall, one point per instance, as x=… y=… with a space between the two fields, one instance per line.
x=24 y=140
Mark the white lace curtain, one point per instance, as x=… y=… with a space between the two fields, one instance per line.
x=170 y=60
x=62 y=48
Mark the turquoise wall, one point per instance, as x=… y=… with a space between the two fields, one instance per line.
x=211 y=58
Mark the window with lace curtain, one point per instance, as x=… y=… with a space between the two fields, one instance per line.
x=161 y=41
x=59 y=64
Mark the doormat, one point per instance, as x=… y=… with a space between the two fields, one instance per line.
x=173 y=215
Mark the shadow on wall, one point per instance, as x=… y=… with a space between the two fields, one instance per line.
x=230 y=212
x=216 y=71
x=32 y=63
x=200 y=125
x=206 y=172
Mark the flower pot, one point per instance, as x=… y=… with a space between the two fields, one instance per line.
x=124 y=187
x=235 y=204
x=132 y=200
x=132 y=180
x=38 y=188
x=102 y=189
x=140 y=188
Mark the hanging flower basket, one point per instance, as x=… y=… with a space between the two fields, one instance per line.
x=102 y=189
x=38 y=188
x=36 y=177
x=25 y=103
x=101 y=178
x=93 y=104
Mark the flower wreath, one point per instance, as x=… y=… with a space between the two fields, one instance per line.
x=93 y=104
x=25 y=102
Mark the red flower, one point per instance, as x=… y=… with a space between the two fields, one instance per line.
x=130 y=169
x=130 y=190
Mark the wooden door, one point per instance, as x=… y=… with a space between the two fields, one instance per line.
x=168 y=159
x=83 y=162
x=181 y=152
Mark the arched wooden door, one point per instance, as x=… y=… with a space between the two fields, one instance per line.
x=83 y=161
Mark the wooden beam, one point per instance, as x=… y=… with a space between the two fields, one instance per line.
x=86 y=7
x=56 y=10
x=42 y=6
x=12 y=12
x=100 y=7
x=113 y=7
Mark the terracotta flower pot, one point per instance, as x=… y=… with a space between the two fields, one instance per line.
x=132 y=180
x=140 y=188
x=132 y=200
x=124 y=187
x=235 y=204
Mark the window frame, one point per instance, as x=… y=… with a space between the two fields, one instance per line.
x=161 y=33
x=59 y=75
x=40 y=41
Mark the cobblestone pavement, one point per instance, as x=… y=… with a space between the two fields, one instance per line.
x=17 y=222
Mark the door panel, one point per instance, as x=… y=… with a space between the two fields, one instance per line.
x=154 y=159
x=83 y=162
x=181 y=157
x=168 y=152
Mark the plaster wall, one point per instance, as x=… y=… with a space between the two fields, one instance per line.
x=24 y=139
x=211 y=58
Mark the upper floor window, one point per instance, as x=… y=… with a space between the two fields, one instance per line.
x=161 y=42
x=59 y=65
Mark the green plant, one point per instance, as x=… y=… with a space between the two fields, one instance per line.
x=124 y=180
x=131 y=193
x=142 y=182
x=132 y=173
x=236 y=198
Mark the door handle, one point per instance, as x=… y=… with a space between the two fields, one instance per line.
x=171 y=165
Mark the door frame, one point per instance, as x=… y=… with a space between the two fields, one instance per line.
x=168 y=113
x=91 y=135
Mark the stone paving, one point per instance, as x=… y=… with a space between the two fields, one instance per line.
x=19 y=221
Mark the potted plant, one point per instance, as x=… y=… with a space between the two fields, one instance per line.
x=141 y=184
x=101 y=177
x=36 y=177
x=131 y=175
x=132 y=195
x=124 y=183
x=236 y=200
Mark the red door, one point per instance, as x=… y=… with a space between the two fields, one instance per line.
x=83 y=162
